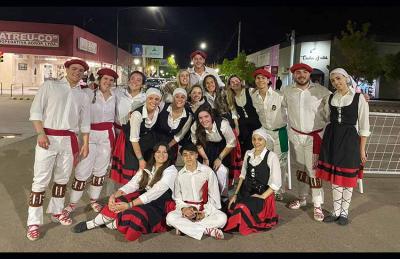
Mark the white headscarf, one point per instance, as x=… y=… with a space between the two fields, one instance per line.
x=264 y=134
x=179 y=91
x=344 y=73
x=153 y=90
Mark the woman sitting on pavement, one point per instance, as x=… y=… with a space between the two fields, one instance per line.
x=252 y=207
x=140 y=206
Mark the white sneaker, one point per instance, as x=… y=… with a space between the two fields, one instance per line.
x=296 y=204
x=215 y=233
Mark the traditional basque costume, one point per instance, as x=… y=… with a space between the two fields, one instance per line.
x=124 y=161
x=167 y=128
x=148 y=217
x=252 y=214
x=218 y=138
x=339 y=160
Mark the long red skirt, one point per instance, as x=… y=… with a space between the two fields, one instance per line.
x=119 y=173
x=251 y=215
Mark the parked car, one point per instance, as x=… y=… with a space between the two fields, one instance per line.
x=155 y=82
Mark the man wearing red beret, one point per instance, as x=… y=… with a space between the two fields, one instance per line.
x=268 y=105
x=308 y=113
x=59 y=111
x=199 y=71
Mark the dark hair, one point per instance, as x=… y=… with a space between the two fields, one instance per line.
x=189 y=146
x=200 y=130
x=230 y=95
x=159 y=172
x=220 y=104
x=140 y=73
x=191 y=89
x=95 y=90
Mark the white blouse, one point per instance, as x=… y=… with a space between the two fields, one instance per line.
x=152 y=193
x=274 y=181
x=210 y=99
x=126 y=103
x=214 y=136
x=188 y=188
x=101 y=110
x=174 y=123
x=62 y=107
x=136 y=120
x=363 y=110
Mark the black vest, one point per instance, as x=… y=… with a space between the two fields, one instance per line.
x=162 y=126
x=347 y=115
x=257 y=177
x=248 y=112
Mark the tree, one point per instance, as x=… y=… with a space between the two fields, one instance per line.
x=391 y=66
x=238 y=66
x=356 y=52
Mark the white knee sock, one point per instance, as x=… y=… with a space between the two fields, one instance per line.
x=99 y=220
x=337 y=193
x=346 y=199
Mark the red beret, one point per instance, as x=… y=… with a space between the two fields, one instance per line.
x=108 y=72
x=77 y=61
x=301 y=66
x=198 y=52
x=262 y=71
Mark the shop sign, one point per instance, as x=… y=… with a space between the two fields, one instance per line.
x=87 y=45
x=153 y=51
x=29 y=39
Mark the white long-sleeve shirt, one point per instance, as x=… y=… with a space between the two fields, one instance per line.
x=363 y=110
x=214 y=135
x=174 y=123
x=136 y=120
x=198 y=79
x=62 y=107
x=102 y=110
x=166 y=182
x=188 y=188
x=127 y=103
x=308 y=110
x=274 y=181
x=270 y=111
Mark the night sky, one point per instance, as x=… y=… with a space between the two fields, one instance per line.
x=181 y=29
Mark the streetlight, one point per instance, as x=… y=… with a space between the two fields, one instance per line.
x=203 y=45
x=136 y=61
x=172 y=56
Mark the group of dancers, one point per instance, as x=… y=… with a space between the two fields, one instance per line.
x=232 y=139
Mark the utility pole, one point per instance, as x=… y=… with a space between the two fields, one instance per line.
x=238 y=50
x=116 y=48
x=292 y=45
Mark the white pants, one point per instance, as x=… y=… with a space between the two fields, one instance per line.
x=223 y=180
x=95 y=163
x=196 y=229
x=283 y=161
x=301 y=157
x=58 y=158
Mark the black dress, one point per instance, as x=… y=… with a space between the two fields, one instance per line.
x=339 y=160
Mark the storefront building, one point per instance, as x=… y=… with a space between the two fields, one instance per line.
x=35 y=52
x=316 y=52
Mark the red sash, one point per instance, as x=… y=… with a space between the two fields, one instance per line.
x=72 y=135
x=117 y=126
x=204 y=197
x=105 y=126
x=316 y=139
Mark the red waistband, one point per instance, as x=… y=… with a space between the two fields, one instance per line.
x=66 y=133
x=117 y=126
x=201 y=203
x=105 y=126
x=317 y=141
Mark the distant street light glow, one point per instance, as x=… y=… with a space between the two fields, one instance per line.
x=172 y=56
x=217 y=70
x=136 y=61
x=153 y=8
x=203 y=45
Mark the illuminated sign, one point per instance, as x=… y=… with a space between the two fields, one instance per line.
x=29 y=39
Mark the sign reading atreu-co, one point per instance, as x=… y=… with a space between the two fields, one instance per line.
x=29 y=39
